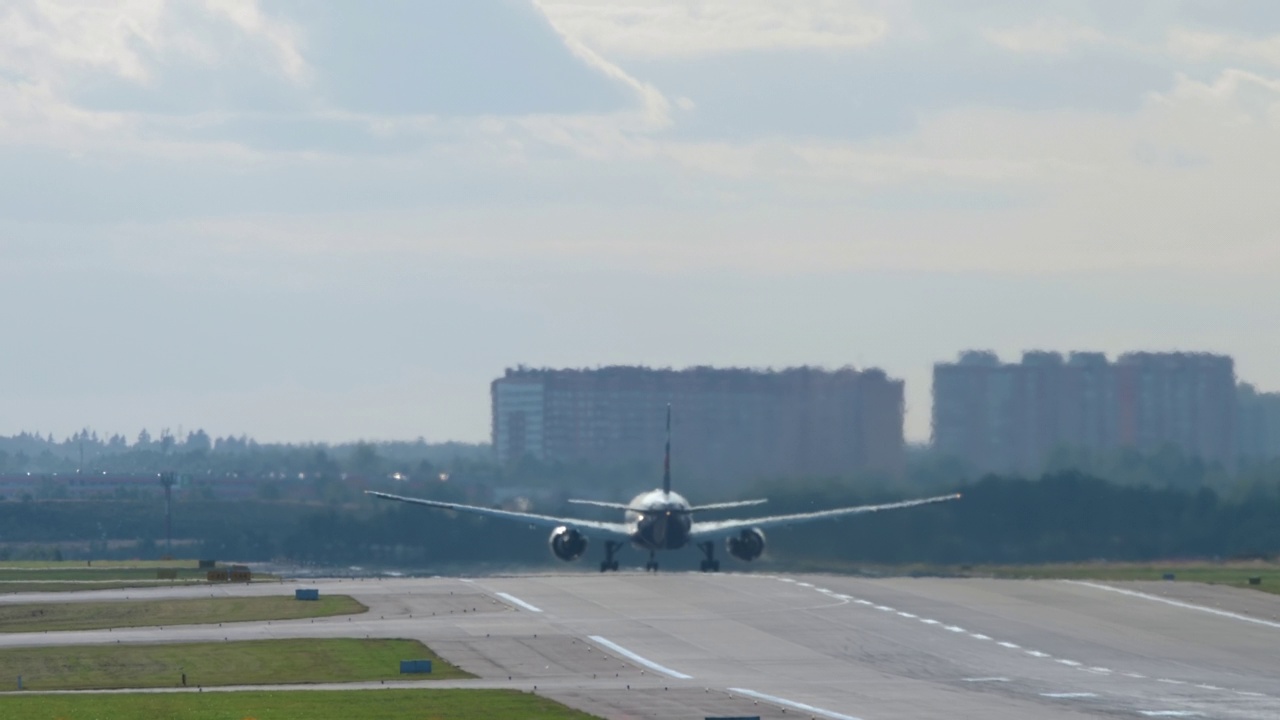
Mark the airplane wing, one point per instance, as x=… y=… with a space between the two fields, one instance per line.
x=616 y=531
x=724 y=528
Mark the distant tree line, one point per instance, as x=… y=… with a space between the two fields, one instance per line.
x=1068 y=516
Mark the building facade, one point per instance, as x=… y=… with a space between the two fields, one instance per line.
x=1005 y=417
x=727 y=423
x=1258 y=424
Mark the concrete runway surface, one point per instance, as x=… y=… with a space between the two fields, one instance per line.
x=685 y=645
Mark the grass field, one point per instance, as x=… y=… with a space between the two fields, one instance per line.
x=292 y=705
x=1227 y=573
x=101 y=564
x=39 y=617
x=72 y=575
x=1234 y=573
x=252 y=662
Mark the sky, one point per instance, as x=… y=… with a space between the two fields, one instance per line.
x=329 y=221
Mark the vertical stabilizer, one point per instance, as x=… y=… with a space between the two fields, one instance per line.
x=666 y=460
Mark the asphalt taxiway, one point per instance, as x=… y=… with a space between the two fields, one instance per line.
x=686 y=645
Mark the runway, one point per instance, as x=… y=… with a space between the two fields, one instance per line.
x=633 y=645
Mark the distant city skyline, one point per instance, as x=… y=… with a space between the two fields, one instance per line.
x=330 y=221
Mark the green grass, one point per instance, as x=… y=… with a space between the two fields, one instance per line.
x=11 y=588
x=72 y=575
x=292 y=705
x=1229 y=573
x=107 y=564
x=1233 y=573
x=251 y=662
x=39 y=617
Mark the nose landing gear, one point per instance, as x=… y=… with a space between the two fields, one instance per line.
x=710 y=564
x=610 y=547
x=652 y=565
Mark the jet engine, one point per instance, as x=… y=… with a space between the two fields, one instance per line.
x=748 y=545
x=568 y=544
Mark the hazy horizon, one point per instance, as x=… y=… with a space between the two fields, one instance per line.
x=318 y=222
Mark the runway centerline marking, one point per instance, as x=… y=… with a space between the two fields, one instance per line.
x=517 y=601
x=638 y=659
x=1067 y=695
x=793 y=704
x=1171 y=713
x=1177 y=603
x=986 y=679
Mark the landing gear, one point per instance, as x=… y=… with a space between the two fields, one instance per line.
x=609 y=563
x=652 y=565
x=710 y=564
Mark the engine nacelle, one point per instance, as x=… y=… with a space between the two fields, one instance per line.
x=748 y=545
x=567 y=544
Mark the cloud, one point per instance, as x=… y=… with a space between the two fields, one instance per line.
x=1200 y=46
x=1049 y=36
x=657 y=29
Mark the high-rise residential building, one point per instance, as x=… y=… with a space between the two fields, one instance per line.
x=1004 y=417
x=728 y=423
x=1258 y=424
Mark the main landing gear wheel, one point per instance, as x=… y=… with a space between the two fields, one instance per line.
x=609 y=563
x=710 y=564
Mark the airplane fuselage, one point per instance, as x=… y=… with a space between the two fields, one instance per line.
x=659 y=520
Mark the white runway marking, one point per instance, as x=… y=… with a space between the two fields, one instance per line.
x=1069 y=695
x=1177 y=603
x=638 y=659
x=1072 y=663
x=517 y=601
x=1170 y=713
x=792 y=704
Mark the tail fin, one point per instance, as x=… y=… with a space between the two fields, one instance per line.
x=666 y=461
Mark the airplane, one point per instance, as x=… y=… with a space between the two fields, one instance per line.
x=662 y=520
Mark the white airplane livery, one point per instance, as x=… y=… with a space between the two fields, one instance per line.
x=662 y=520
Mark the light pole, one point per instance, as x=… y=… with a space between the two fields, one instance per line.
x=167 y=479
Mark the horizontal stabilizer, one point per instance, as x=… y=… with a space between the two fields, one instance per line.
x=727 y=505
x=696 y=508
x=603 y=504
